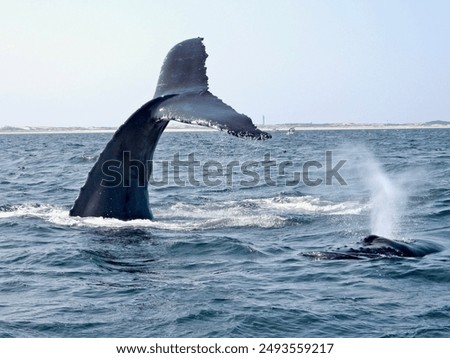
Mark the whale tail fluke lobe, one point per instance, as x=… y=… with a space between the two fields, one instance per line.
x=209 y=111
x=184 y=73
x=183 y=70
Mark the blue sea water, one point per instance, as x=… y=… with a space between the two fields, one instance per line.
x=224 y=255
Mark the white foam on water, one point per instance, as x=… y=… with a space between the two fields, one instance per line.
x=216 y=215
x=31 y=210
x=262 y=212
x=60 y=216
x=310 y=205
x=186 y=218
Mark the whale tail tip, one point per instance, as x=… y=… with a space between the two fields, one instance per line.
x=183 y=74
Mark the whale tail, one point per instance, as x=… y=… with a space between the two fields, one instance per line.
x=116 y=186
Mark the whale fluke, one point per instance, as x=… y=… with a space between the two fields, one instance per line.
x=184 y=73
x=117 y=185
x=209 y=111
x=183 y=69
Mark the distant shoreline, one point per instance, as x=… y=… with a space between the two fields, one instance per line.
x=334 y=127
x=292 y=127
x=64 y=130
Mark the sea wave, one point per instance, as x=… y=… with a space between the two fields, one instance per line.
x=263 y=213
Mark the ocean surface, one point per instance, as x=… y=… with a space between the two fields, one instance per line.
x=224 y=256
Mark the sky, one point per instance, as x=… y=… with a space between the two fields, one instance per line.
x=93 y=63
